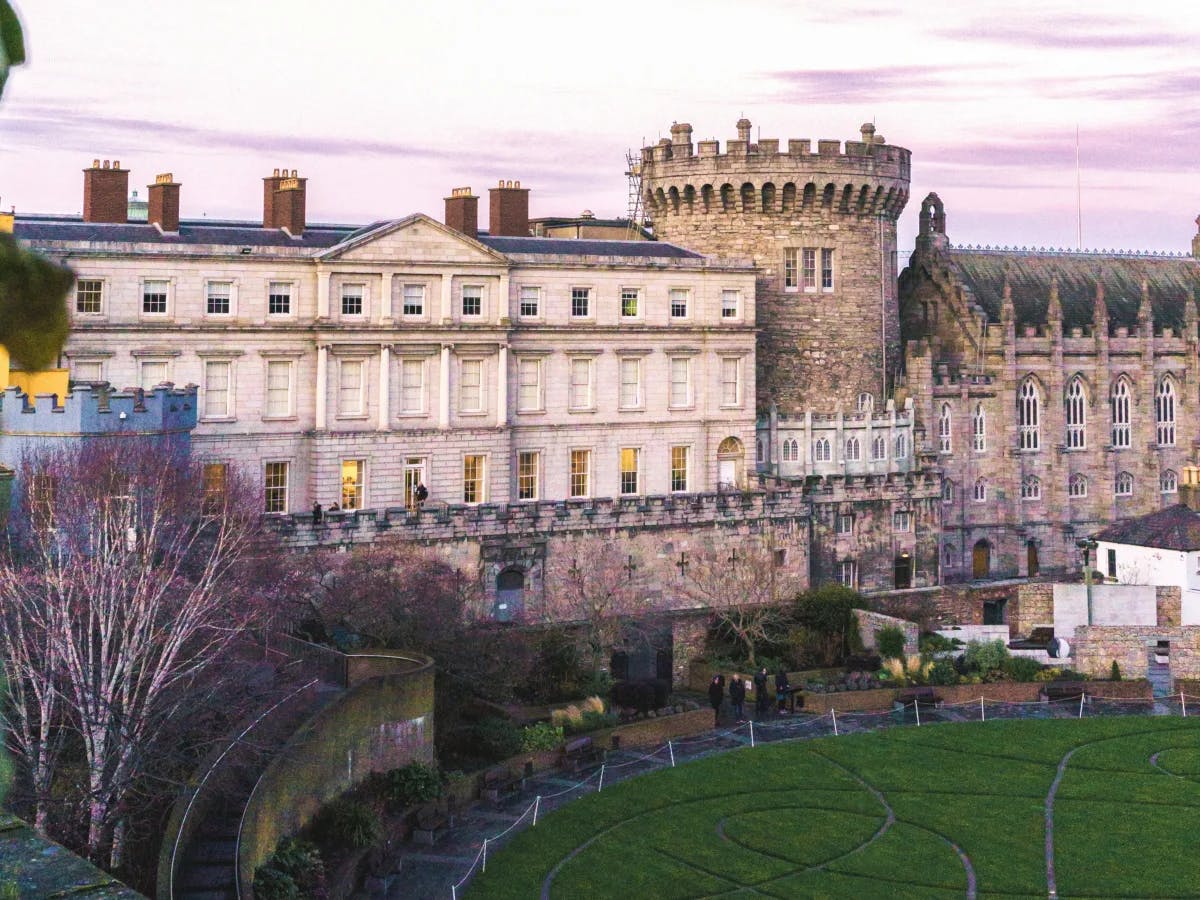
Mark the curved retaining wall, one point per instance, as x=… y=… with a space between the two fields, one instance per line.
x=384 y=720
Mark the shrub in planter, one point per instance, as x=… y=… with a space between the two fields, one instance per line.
x=864 y=662
x=1115 y=673
x=1022 y=668
x=346 y=825
x=271 y=884
x=413 y=783
x=497 y=738
x=643 y=695
x=943 y=673
x=986 y=657
x=542 y=736
x=890 y=641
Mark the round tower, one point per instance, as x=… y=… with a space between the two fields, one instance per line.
x=821 y=227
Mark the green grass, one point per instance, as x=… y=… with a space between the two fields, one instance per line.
x=802 y=820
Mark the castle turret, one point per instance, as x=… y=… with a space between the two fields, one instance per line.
x=820 y=226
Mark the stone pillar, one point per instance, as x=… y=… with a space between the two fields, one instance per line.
x=444 y=387
x=447 y=297
x=322 y=294
x=502 y=387
x=322 y=378
x=385 y=296
x=385 y=384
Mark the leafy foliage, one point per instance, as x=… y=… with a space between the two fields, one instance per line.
x=942 y=672
x=826 y=627
x=1115 y=672
x=295 y=869
x=890 y=641
x=542 y=736
x=345 y=824
x=272 y=884
x=1022 y=668
x=33 y=311
x=497 y=738
x=986 y=657
x=413 y=783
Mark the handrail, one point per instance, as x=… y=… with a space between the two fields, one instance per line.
x=237 y=740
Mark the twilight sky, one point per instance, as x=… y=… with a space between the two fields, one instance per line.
x=385 y=106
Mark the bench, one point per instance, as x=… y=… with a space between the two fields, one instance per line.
x=922 y=696
x=498 y=782
x=1061 y=690
x=431 y=823
x=579 y=754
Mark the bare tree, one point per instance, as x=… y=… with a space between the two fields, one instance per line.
x=119 y=590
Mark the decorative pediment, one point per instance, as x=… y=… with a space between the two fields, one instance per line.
x=413 y=239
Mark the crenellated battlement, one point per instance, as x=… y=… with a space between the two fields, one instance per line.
x=96 y=410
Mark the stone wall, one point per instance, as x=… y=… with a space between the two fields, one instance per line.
x=1097 y=646
x=1169 y=601
x=1032 y=606
x=869 y=624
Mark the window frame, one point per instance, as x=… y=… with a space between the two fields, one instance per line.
x=622 y=472
x=539 y=404
x=581 y=294
x=686 y=470
x=481 y=298
x=100 y=296
x=521 y=301
x=290 y=312
x=463 y=409
x=843 y=524
x=808 y=269
x=640 y=402
x=1077 y=485
x=267 y=414
x=945 y=429
x=688 y=385
x=827 y=273
x=575 y=403
x=363 y=300
x=76 y=375
x=422 y=394
x=738 y=393
x=360 y=410
x=1029 y=418
x=359 y=484
x=230 y=414
x=166 y=297
x=726 y=314
x=164 y=361
x=624 y=295
x=902 y=521
x=979 y=492
x=1075 y=414
x=1123 y=484
x=1121 y=413
x=230 y=299
x=1031 y=489
x=423 y=289
x=480 y=481
x=679 y=304
x=285 y=487
x=791 y=269
x=1168 y=482
x=1166 y=412
x=579 y=490
x=979 y=429
x=523 y=476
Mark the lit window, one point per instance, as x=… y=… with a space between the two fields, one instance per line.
x=981 y=488
x=731 y=381
x=853 y=450
x=472 y=300
x=89 y=296
x=1031 y=488
x=352 y=483
x=848 y=572
x=413 y=300
x=1168 y=482
x=153 y=372
x=581 y=383
x=470 y=388
x=412 y=386
x=979 y=429
x=631 y=458
x=279 y=298
x=808 y=271
x=902 y=521
x=1028 y=413
x=1120 y=403
x=630 y=302
x=529 y=384
x=352 y=299
x=680 y=396
x=944 y=429
x=530 y=302
x=217 y=389
x=631 y=383
x=581 y=303
x=87 y=370
x=679 y=303
x=680 y=457
x=279 y=388
x=1124 y=485
x=218 y=298
x=215 y=479
x=275 y=487
x=474 y=485
x=581 y=473
x=1077 y=485
x=351 y=384
x=731 y=302
x=1164 y=413
x=879 y=447
x=844 y=524
x=528 y=471
x=826 y=269
x=791 y=275
x=154 y=297
x=822 y=450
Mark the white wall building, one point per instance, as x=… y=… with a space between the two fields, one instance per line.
x=1161 y=548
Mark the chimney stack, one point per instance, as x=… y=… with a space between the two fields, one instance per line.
x=164 y=203
x=283 y=201
x=1189 y=490
x=509 y=212
x=106 y=192
x=462 y=212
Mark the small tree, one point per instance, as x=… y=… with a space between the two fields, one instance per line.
x=1115 y=672
x=890 y=642
x=826 y=615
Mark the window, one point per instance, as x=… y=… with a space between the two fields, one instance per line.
x=808 y=271
x=581 y=473
x=865 y=402
x=826 y=269
x=679 y=303
x=1031 y=488
x=214 y=479
x=791 y=450
x=530 y=302
x=89 y=296
x=529 y=384
x=279 y=298
x=1076 y=415
x=154 y=297
x=630 y=461
x=581 y=303
x=848 y=572
x=470 y=387
x=1164 y=413
x=731 y=303
x=474 y=470
x=1112 y=563
x=947 y=491
x=352 y=483
x=275 y=487
x=153 y=373
x=822 y=450
x=758 y=450
x=218 y=298
x=581 y=383
x=630 y=303
x=902 y=521
x=1119 y=403
x=87 y=370
x=528 y=471
x=1168 y=482
x=944 y=424
x=1077 y=485
x=879 y=447
x=1124 y=485
x=731 y=381
x=352 y=300
x=218 y=389
x=631 y=383
x=680 y=457
x=901 y=446
x=853 y=450
x=680 y=396
x=981 y=487
x=979 y=429
x=791 y=275
x=279 y=388
x=472 y=300
x=412 y=386
x=843 y=524
x=413 y=300
x=1028 y=402
x=948 y=554
x=351 y=384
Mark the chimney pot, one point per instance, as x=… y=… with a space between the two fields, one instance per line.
x=96 y=165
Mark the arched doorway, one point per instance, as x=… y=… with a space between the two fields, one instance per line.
x=902 y=571
x=1032 y=566
x=981 y=559
x=731 y=465
x=510 y=595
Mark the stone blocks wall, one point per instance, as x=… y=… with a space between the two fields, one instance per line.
x=1097 y=646
x=1170 y=604
x=870 y=623
x=1032 y=606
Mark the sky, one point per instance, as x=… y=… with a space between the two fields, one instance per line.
x=386 y=106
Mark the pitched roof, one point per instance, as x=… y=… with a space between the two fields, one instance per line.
x=586 y=247
x=1174 y=528
x=1170 y=279
x=37 y=229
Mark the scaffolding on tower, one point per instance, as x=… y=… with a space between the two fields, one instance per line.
x=633 y=173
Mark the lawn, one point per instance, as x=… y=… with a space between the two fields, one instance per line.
x=920 y=813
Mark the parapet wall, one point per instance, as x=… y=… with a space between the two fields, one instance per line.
x=1098 y=646
x=96 y=410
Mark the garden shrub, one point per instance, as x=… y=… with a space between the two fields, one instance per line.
x=542 y=736
x=346 y=825
x=591 y=721
x=271 y=884
x=826 y=623
x=1022 y=668
x=1115 y=673
x=932 y=642
x=301 y=861
x=890 y=641
x=596 y=684
x=413 y=783
x=643 y=695
x=497 y=738
x=986 y=657
x=942 y=672
x=864 y=662
x=593 y=704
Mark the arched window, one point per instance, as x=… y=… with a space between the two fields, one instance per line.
x=1168 y=482
x=1031 y=488
x=821 y=450
x=787 y=451
x=865 y=402
x=948 y=554
x=1124 y=486
x=758 y=450
x=1028 y=415
x=1076 y=415
x=944 y=424
x=1164 y=412
x=1120 y=412
x=979 y=429
x=853 y=450
x=947 y=491
x=879 y=447
x=1077 y=485
x=901 y=446
x=795 y=450
x=980 y=490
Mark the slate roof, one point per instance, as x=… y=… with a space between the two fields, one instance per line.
x=1170 y=279
x=586 y=247
x=1174 y=528
x=37 y=229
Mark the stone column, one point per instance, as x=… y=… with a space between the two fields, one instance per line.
x=322 y=382
x=385 y=384
x=447 y=297
x=502 y=387
x=322 y=294
x=385 y=296
x=444 y=389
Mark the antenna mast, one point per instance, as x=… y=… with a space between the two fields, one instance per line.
x=633 y=209
x=1078 y=196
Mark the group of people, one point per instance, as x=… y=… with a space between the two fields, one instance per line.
x=420 y=495
x=738 y=688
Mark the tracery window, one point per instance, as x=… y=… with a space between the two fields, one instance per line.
x=947 y=491
x=1168 y=482
x=853 y=449
x=1119 y=402
x=944 y=424
x=822 y=452
x=1077 y=485
x=1076 y=403
x=979 y=429
x=879 y=447
x=1124 y=485
x=1028 y=415
x=1031 y=488
x=981 y=487
x=901 y=446
x=1164 y=412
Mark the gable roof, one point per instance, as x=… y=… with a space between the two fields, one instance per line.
x=587 y=247
x=1174 y=528
x=38 y=229
x=382 y=229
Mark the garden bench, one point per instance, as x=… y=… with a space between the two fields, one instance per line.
x=924 y=696
x=432 y=823
x=579 y=754
x=498 y=782
x=1061 y=690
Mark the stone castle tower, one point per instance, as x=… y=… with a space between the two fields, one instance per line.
x=821 y=227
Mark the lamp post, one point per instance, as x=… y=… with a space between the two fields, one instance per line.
x=1086 y=546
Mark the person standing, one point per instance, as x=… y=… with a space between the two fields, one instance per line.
x=782 y=688
x=761 y=698
x=716 y=694
x=737 y=697
x=421 y=494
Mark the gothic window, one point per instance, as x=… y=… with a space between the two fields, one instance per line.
x=1077 y=485
x=980 y=490
x=821 y=450
x=865 y=402
x=944 y=423
x=1028 y=415
x=1164 y=413
x=901 y=446
x=979 y=429
x=1076 y=415
x=1031 y=488
x=1168 y=482
x=758 y=451
x=1124 y=486
x=795 y=444
x=879 y=447
x=1120 y=412
x=786 y=450
x=853 y=449
x=947 y=491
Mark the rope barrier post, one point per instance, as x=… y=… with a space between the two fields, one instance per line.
x=671 y=750
x=1183 y=703
x=833 y=712
x=454 y=892
x=917 y=709
x=483 y=868
x=1081 y=698
x=600 y=786
x=982 y=714
x=537 y=802
x=752 y=728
